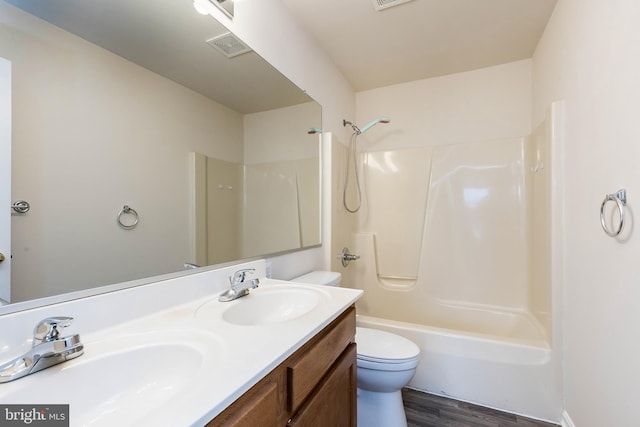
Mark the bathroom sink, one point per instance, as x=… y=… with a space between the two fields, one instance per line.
x=127 y=378
x=267 y=305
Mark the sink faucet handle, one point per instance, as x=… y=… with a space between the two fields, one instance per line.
x=49 y=329
x=239 y=276
x=237 y=285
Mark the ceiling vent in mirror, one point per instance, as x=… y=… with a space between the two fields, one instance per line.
x=385 y=4
x=229 y=45
x=224 y=5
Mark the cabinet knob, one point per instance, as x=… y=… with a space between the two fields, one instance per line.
x=1 y=257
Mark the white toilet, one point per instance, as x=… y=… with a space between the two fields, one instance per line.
x=386 y=363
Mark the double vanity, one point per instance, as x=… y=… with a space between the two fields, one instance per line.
x=171 y=353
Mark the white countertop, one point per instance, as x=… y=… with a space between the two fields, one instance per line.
x=178 y=366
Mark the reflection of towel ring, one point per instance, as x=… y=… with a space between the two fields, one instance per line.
x=620 y=199
x=21 y=206
x=130 y=211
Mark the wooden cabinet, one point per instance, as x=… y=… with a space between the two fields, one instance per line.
x=316 y=386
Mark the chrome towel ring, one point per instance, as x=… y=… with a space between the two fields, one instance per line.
x=620 y=199
x=122 y=218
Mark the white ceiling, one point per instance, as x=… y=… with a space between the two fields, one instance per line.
x=422 y=38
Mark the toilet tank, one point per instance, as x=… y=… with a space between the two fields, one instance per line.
x=327 y=278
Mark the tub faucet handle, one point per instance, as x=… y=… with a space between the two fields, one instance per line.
x=347 y=257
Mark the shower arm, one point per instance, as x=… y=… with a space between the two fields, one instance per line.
x=355 y=128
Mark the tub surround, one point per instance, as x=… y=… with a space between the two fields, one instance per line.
x=224 y=359
x=471 y=280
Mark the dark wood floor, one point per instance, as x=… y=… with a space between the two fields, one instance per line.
x=428 y=410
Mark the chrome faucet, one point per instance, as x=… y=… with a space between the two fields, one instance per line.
x=238 y=287
x=48 y=349
x=190 y=265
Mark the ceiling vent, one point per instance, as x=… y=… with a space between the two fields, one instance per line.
x=385 y=4
x=229 y=45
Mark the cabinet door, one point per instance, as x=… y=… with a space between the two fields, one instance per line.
x=334 y=401
x=261 y=406
x=314 y=362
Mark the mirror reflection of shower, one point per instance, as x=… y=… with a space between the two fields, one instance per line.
x=352 y=155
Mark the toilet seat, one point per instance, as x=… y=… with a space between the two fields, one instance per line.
x=385 y=351
x=389 y=367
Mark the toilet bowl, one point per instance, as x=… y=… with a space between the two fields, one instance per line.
x=385 y=363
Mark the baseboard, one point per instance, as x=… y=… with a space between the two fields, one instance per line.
x=566 y=420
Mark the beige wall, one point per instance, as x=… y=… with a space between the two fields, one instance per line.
x=589 y=56
x=482 y=105
x=78 y=112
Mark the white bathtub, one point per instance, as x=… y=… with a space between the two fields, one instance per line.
x=497 y=372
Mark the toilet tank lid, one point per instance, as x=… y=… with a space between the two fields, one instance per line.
x=327 y=278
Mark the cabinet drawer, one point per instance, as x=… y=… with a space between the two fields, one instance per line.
x=304 y=373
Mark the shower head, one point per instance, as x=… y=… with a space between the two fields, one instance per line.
x=363 y=129
x=312 y=131
x=372 y=123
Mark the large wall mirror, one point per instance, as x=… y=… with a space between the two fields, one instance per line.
x=144 y=137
